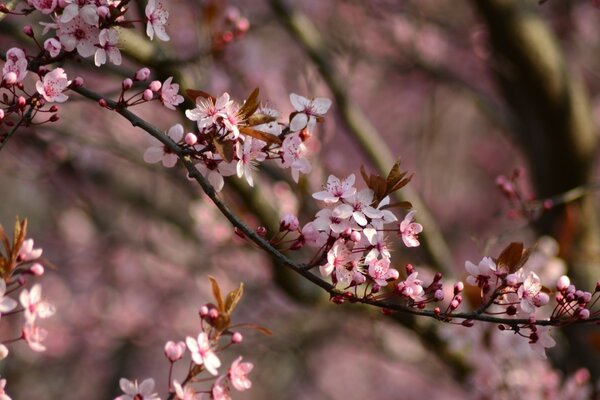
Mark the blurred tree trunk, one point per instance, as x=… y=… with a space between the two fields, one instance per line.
x=554 y=126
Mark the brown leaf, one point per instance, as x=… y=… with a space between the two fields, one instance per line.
x=233 y=298
x=407 y=205
x=193 y=94
x=217 y=294
x=265 y=137
x=225 y=149
x=394 y=175
x=250 y=105
x=259 y=118
x=511 y=258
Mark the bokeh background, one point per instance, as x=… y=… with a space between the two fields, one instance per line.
x=461 y=91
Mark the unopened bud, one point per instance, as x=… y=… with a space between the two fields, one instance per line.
x=511 y=310
x=304 y=134
x=242 y=26
x=1 y=114
x=102 y=103
x=53 y=109
x=227 y=36
x=174 y=351
x=437 y=277
x=563 y=283
x=237 y=338
x=148 y=95
x=28 y=30
x=3 y=351
x=127 y=84
x=512 y=280
x=103 y=12
x=437 y=311
x=37 y=269
x=261 y=231
x=454 y=304
x=438 y=295
x=77 y=82
x=203 y=311
x=190 y=139
x=155 y=86
x=355 y=236
x=54 y=118
x=142 y=74
x=213 y=313
x=409 y=269
x=376 y=288
x=583 y=313
x=338 y=299
x=468 y=323
x=541 y=299
x=21 y=102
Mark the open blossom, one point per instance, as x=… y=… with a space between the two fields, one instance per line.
x=52 y=46
x=52 y=86
x=343 y=263
x=214 y=169
x=292 y=154
x=202 y=353
x=6 y=303
x=44 y=6
x=409 y=230
x=336 y=189
x=157 y=16
x=77 y=8
x=34 y=336
x=248 y=153
x=530 y=293
x=27 y=252
x=481 y=273
x=133 y=391
x=238 y=374
x=358 y=206
x=109 y=39
x=540 y=341
x=15 y=67
x=160 y=152
x=375 y=239
x=208 y=111
x=307 y=111
x=34 y=306
x=381 y=272
x=186 y=392
x=331 y=220
x=411 y=287
x=219 y=390
x=78 y=34
x=169 y=94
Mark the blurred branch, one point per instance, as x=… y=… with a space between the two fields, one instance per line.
x=361 y=129
x=26 y=118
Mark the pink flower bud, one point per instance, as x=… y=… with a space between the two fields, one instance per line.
x=1 y=114
x=541 y=299
x=28 y=30
x=103 y=12
x=458 y=287
x=512 y=280
x=190 y=139
x=203 y=311
x=148 y=95
x=583 y=313
x=54 y=118
x=142 y=74
x=582 y=375
x=586 y=297
x=10 y=78
x=3 y=352
x=213 y=313
x=468 y=323
x=236 y=338
x=438 y=295
x=127 y=84
x=355 y=236
x=437 y=311
x=77 y=82
x=174 y=351
x=409 y=269
x=376 y=288
x=262 y=231
x=289 y=223
x=102 y=103
x=21 y=102
x=563 y=283
x=53 y=109
x=37 y=269
x=242 y=25
x=454 y=304
x=155 y=86
x=227 y=36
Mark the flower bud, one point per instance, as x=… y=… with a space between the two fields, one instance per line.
x=458 y=287
x=213 y=313
x=142 y=74
x=148 y=95
x=10 y=78
x=437 y=311
x=28 y=30
x=563 y=283
x=155 y=86
x=409 y=269
x=127 y=84
x=54 y=118
x=512 y=280
x=190 y=139
x=37 y=269
x=583 y=313
x=261 y=231
x=304 y=134
x=53 y=109
x=541 y=299
x=21 y=102
x=3 y=351
x=236 y=338
x=511 y=310
x=174 y=351
x=355 y=236
x=454 y=304
x=1 y=114
x=77 y=82
x=586 y=297
x=468 y=323
x=438 y=295
x=376 y=288
x=289 y=223
x=103 y=12
x=102 y=103
x=203 y=311
x=242 y=26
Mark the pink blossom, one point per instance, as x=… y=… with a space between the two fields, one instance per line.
x=3 y=395
x=248 y=154
x=44 y=6
x=341 y=260
x=411 y=287
x=208 y=111
x=375 y=239
x=307 y=111
x=53 y=85
x=6 y=303
x=238 y=374
x=202 y=353
x=293 y=151
x=540 y=341
x=214 y=169
x=15 y=67
x=52 y=46
x=381 y=272
x=34 y=336
x=409 y=230
x=109 y=38
x=77 y=8
x=133 y=391
x=185 y=392
x=78 y=34
x=169 y=94
x=331 y=220
x=336 y=189
x=157 y=16
x=34 y=305
x=27 y=252
x=529 y=293
x=480 y=274
x=3 y=352
x=219 y=391
x=174 y=351
x=289 y=222
x=160 y=152
x=358 y=206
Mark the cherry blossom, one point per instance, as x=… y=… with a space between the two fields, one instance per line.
x=34 y=305
x=133 y=391
x=411 y=287
x=358 y=206
x=6 y=303
x=336 y=189
x=78 y=34
x=375 y=239
x=160 y=152
x=219 y=391
x=307 y=111
x=230 y=119
x=202 y=353
x=208 y=111
x=293 y=151
x=174 y=351
x=157 y=16
x=169 y=94
x=52 y=46
x=27 y=252
x=214 y=169
x=481 y=273
x=109 y=38
x=185 y=392
x=273 y=127
x=34 y=336
x=530 y=293
x=409 y=230
x=338 y=259
x=248 y=154
x=3 y=395
x=15 y=67
x=44 y=6
x=331 y=220
x=238 y=374
x=381 y=272
x=540 y=340
x=79 y=8
x=53 y=85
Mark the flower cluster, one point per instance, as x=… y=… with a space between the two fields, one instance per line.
x=232 y=138
x=204 y=349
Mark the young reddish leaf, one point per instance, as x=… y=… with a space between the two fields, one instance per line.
x=265 y=137
x=511 y=258
x=225 y=149
x=395 y=174
x=364 y=175
x=217 y=294
x=233 y=298
x=407 y=205
x=250 y=105
x=193 y=94
x=259 y=118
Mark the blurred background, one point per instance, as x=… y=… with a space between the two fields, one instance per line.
x=462 y=92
